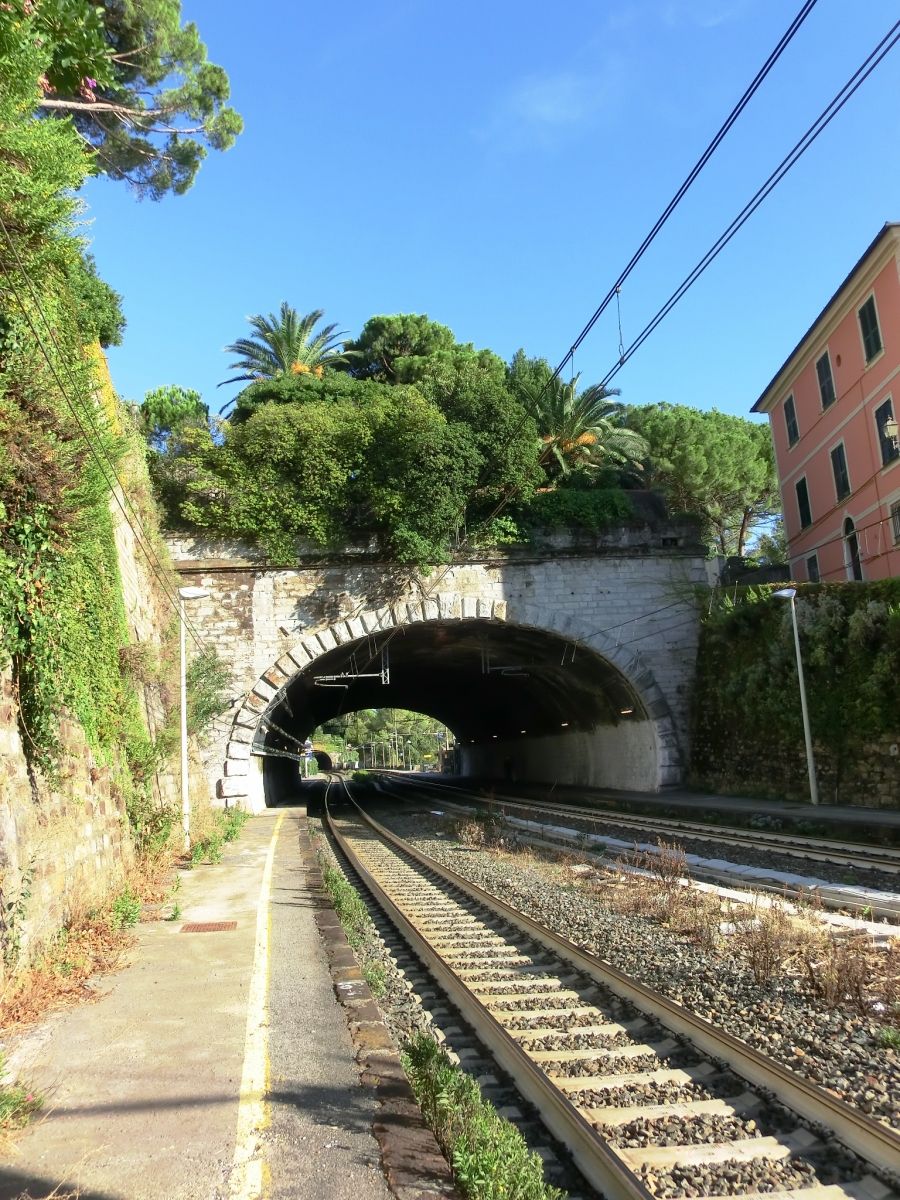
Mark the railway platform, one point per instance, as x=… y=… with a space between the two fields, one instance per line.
x=218 y=1062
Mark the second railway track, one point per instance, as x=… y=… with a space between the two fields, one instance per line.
x=649 y=1099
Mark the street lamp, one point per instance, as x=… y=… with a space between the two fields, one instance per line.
x=789 y=594
x=185 y=593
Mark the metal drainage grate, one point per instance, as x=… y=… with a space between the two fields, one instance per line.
x=208 y=926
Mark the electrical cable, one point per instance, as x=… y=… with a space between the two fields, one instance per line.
x=615 y=290
x=107 y=469
x=818 y=126
x=701 y=162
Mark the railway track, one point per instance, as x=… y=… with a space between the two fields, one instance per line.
x=835 y=895
x=816 y=848
x=650 y=1100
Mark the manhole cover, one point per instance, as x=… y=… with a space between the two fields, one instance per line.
x=208 y=926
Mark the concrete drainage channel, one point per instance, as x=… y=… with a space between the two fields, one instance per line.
x=413 y=1000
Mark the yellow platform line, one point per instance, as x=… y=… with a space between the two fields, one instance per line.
x=248 y=1169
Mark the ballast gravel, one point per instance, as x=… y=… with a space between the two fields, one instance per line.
x=678 y=1131
x=840 y=1050
x=711 y=846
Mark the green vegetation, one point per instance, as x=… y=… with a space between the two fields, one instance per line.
x=581 y=429
x=225 y=825
x=747 y=731
x=889 y=1038
x=286 y=344
x=62 y=621
x=171 y=410
x=18 y=1104
x=389 y=737
x=489 y=1156
x=134 y=82
x=348 y=904
x=715 y=465
x=126 y=910
x=64 y=634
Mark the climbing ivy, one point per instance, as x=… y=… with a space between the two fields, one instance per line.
x=747 y=725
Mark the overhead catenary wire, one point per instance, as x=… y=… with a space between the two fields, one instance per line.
x=691 y=177
x=94 y=445
x=886 y=44
x=615 y=289
x=818 y=126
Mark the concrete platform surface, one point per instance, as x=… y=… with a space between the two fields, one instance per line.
x=214 y=1066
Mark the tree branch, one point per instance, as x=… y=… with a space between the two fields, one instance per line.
x=104 y=106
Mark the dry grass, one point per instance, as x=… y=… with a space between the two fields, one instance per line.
x=480 y=831
x=767 y=937
x=92 y=942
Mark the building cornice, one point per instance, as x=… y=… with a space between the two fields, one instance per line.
x=876 y=256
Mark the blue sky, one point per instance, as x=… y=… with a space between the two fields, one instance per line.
x=495 y=165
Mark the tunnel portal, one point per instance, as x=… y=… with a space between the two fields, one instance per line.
x=523 y=703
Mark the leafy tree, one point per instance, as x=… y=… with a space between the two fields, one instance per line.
x=582 y=429
x=526 y=377
x=370 y=459
x=386 y=340
x=471 y=390
x=771 y=547
x=171 y=409
x=136 y=84
x=285 y=344
x=99 y=307
x=718 y=466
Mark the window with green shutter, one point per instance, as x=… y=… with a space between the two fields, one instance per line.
x=871 y=334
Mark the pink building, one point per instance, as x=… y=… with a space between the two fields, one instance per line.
x=832 y=409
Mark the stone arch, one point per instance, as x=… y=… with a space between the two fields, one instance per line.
x=266 y=692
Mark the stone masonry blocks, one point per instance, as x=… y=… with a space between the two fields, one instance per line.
x=448 y=605
x=231 y=789
x=299 y=655
x=287 y=667
x=575 y=596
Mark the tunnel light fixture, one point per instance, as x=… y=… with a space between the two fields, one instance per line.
x=493 y=735
x=523 y=731
x=563 y=724
x=625 y=712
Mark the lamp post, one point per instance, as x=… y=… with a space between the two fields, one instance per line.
x=789 y=594
x=185 y=593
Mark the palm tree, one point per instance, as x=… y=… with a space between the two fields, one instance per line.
x=286 y=344
x=583 y=430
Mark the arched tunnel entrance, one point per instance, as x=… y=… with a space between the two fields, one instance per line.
x=523 y=703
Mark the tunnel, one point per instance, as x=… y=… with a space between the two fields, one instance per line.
x=524 y=704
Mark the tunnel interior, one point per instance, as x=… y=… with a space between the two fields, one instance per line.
x=500 y=688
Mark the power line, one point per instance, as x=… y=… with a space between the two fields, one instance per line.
x=107 y=468
x=690 y=178
x=818 y=126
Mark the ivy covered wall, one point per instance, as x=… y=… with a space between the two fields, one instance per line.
x=747 y=726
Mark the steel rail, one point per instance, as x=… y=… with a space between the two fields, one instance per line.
x=881 y=858
x=595 y=1159
x=874 y=1141
x=828 y=895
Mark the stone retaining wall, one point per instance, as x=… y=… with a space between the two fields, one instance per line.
x=63 y=846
